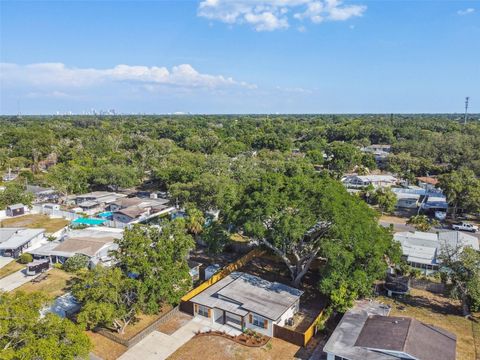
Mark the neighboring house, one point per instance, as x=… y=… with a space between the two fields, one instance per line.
x=245 y=301
x=96 y=201
x=380 y=152
x=15 y=210
x=407 y=201
x=42 y=194
x=137 y=209
x=14 y=241
x=377 y=181
x=367 y=333
x=421 y=250
x=96 y=243
x=434 y=203
x=427 y=182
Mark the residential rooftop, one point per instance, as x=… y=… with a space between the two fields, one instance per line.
x=241 y=293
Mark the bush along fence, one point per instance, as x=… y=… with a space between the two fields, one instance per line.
x=186 y=305
x=141 y=334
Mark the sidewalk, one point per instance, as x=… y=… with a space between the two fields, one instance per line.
x=159 y=346
x=14 y=280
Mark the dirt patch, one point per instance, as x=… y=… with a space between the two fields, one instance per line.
x=218 y=348
x=36 y=221
x=393 y=219
x=440 y=311
x=174 y=323
x=105 y=348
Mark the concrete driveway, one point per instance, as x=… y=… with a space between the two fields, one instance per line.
x=159 y=346
x=4 y=260
x=14 y=280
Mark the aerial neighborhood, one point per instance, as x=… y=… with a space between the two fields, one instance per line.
x=179 y=238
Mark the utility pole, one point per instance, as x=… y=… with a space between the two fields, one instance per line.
x=466 y=110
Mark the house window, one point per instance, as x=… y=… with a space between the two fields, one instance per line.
x=257 y=321
x=202 y=310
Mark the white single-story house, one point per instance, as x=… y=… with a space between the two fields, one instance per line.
x=366 y=332
x=377 y=181
x=94 y=242
x=96 y=201
x=14 y=241
x=421 y=250
x=245 y=301
x=42 y=194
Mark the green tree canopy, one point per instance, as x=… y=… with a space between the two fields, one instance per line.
x=15 y=193
x=303 y=218
x=24 y=334
x=158 y=260
x=462 y=189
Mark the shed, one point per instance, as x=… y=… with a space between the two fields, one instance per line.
x=15 y=210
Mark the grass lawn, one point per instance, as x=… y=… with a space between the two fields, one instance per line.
x=36 y=221
x=218 y=348
x=56 y=284
x=443 y=312
x=105 y=348
x=142 y=322
x=10 y=268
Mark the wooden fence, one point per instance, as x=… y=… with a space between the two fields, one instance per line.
x=222 y=273
x=141 y=334
x=296 y=337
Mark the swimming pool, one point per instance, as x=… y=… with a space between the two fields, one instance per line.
x=88 y=221
x=105 y=214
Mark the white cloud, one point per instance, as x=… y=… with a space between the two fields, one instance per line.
x=58 y=75
x=466 y=11
x=269 y=15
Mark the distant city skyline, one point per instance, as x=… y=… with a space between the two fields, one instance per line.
x=239 y=56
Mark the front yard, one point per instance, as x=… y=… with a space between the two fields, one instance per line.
x=219 y=348
x=36 y=221
x=443 y=312
x=12 y=267
x=55 y=284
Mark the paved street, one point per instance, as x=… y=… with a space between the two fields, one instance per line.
x=14 y=280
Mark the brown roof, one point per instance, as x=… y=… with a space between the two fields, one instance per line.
x=84 y=245
x=428 y=180
x=422 y=341
x=126 y=202
x=132 y=211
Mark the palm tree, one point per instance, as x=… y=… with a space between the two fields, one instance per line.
x=195 y=221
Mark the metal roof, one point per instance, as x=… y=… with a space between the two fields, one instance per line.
x=423 y=247
x=20 y=238
x=16 y=206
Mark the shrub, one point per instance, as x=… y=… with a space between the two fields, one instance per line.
x=25 y=258
x=76 y=262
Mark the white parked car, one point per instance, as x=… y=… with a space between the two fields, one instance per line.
x=463 y=226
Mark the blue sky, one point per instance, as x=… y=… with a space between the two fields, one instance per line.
x=239 y=56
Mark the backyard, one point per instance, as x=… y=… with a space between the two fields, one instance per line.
x=36 y=221
x=105 y=348
x=440 y=311
x=55 y=284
